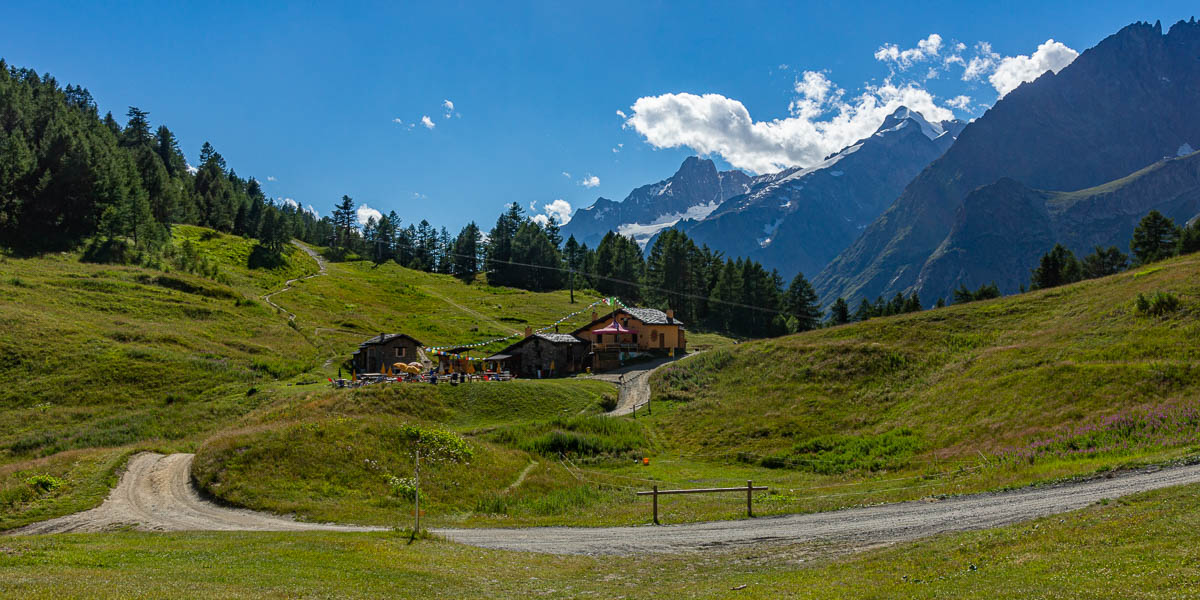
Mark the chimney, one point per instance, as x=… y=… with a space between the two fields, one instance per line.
x=670 y=315
x=528 y=331
x=380 y=337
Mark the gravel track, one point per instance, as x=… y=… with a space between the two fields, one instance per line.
x=156 y=494
x=855 y=528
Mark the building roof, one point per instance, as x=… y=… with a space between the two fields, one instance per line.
x=652 y=316
x=559 y=338
x=649 y=316
x=384 y=338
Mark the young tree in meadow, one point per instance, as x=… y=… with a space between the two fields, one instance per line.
x=344 y=221
x=1189 y=238
x=801 y=302
x=839 y=313
x=1103 y=262
x=1056 y=267
x=1155 y=238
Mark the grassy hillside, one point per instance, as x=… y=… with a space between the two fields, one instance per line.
x=101 y=360
x=1141 y=546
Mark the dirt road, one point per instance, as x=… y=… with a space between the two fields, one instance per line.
x=853 y=528
x=156 y=494
x=634 y=383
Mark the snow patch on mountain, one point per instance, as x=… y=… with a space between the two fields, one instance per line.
x=1184 y=150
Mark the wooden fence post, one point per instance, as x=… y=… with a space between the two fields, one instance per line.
x=749 y=496
x=655 y=505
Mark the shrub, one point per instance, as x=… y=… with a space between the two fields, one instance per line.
x=608 y=402
x=1157 y=304
x=403 y=487
x=44 y=483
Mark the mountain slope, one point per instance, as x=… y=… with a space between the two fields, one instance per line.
x=694 y=191
x=1120 y=106
x=797 y=220
x=1002 y=229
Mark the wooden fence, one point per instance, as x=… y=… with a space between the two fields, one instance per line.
x=749 y=489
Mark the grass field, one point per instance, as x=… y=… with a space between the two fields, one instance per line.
x=1142 y=546
x=105 y=361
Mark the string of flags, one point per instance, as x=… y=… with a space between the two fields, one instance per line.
x=442 y=350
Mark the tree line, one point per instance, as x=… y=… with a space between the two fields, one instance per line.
x=71 y=178
x=1155 y=238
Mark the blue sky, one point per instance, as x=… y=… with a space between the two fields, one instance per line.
x=306 y=99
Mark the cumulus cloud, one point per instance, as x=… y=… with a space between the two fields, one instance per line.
x=289 y=201
x=1015 y=70
x=824 y=119
x=1005 y=73
x=312 y=211
x=190 y=168
x=559 y=209
x=427 y=122
x=983 y=62
x=366 y=213
x=926 y=49
x=590 y=181
x=618 y=148
x=959 y=102
x=621 y=113
x=448 y=107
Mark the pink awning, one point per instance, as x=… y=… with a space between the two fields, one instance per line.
x=614 y=328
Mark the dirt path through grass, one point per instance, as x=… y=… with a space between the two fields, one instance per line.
x=156 y=494
x=287 y=285
x=634 y=383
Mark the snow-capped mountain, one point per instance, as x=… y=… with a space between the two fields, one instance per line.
x=694 y=191
x=797 y=220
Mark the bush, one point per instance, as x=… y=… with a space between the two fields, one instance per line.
x=403 y=487
x=44 y=483
x=1157 y=304
x=608 y=402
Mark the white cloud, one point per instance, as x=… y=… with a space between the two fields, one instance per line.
x=1005 y=73
x=591 y=181
x=289 y=201
x=1015 y=70
x=621 y=113
x=312 y=211
x=983 y=62
x=783 y=66
x=959 y=102
x=566 y=174
x=270 y=178
x=190 y=168
x=616 y=150
x=401 y=122
x=419 y=196
x=449 y=108
x=427 y=122
x=824 y=120
x=903 y=59
x=366 y=213
x=561 y=209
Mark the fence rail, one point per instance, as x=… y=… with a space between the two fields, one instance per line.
x=749 y=489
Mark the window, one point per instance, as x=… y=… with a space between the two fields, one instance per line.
x=400 y=352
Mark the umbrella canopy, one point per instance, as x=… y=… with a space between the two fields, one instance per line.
x=615 y=327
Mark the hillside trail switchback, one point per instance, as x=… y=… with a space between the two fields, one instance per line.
x=156 y=494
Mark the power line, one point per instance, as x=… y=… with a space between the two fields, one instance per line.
x=616 y=280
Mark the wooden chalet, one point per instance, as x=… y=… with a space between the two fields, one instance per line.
x=542 y=355
x=385 y=350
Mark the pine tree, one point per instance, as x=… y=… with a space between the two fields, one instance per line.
x=1189 y=238
x=839 y=313
x=1103 y=262
x=1155 y=238
x=801 y=302
x=1057 y=267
